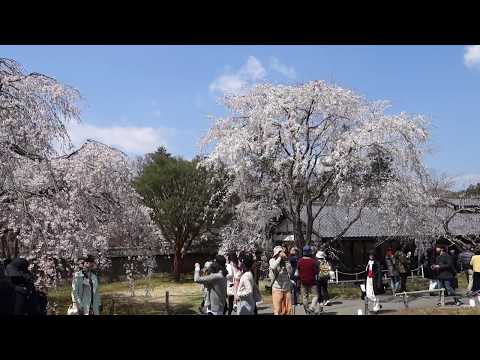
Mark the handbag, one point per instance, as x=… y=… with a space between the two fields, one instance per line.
x=72 y=310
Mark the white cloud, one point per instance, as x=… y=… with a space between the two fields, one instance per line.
x=287 y=71
x=253 y=69
x=461 y=182
x=234 y=82
x=134 y=140
x=471 y=57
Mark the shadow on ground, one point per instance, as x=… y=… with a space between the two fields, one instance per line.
x=334 y=303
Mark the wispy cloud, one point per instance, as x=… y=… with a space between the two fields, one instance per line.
x=234 y=82
x=471 y=57
x=249 y=74
x=133 y=140
x=287 y=71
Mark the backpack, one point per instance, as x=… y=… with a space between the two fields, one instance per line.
x=324 y=270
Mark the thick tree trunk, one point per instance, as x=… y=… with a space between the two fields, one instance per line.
x=309 y=229
x=177 y=263
x=9 y=247
x=298 y=231
x=3 y=245
x=298 y=225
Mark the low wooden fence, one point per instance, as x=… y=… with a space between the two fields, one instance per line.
x=168 y=304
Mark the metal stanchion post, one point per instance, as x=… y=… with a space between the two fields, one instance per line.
x=336 y=275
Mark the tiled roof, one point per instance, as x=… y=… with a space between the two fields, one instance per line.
x=332 y=220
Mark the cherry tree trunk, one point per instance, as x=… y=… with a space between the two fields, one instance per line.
x=177 y=263
x=298 y=231
x=309 y=229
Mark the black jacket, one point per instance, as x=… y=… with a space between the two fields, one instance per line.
x=27 y=300
x=428 y=261
x=293 y=260
x=447 y=267
x=7 y=297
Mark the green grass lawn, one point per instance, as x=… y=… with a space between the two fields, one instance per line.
x=185 y=296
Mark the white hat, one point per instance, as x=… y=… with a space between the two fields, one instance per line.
x=207 y=264
x=320 y=255
x=277 y=250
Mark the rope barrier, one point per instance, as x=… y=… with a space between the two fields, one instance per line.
x=364 y=271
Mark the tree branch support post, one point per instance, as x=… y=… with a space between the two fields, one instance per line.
x=167 y=302
x=112 y=307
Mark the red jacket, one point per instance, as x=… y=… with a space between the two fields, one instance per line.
x=307 y=271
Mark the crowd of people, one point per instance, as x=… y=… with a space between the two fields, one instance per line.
x=441 y=266
x=444 y=265
x=231 y=284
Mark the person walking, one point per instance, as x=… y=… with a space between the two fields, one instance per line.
x=429 y=273
x=307 y=272
x=216 y=285
x=293 y=260
x=464 y=259
x=204 y=304
x=445 y=268
x=257 y=270
x=402 y=262
x=374 y=282
x=233 y=279
x=86 y=290
x=324 y=271
x=248 y=293
x=392 y=270
x=279 y=274
x=453 y=254
x=475 y=263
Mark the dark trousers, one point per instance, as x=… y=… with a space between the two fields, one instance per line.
x=295 y=293
x=403 y=282
x=448 y=285
x=323 y=289
x=229 y=307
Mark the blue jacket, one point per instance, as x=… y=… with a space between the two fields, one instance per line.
x=81 y=292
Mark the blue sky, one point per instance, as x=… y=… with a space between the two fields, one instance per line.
x=139 y=97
